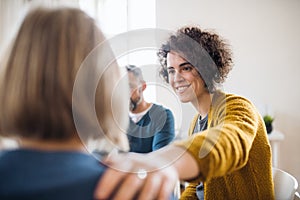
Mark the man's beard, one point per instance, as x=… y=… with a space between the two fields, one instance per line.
x=133 y=104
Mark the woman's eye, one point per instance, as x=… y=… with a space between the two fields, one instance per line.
x=171 y=71
x=187 y=68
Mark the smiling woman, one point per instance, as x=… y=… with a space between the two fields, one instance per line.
x=227 y=140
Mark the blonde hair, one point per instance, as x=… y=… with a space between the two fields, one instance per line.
x=36 y=85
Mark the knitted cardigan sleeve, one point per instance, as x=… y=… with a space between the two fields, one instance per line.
x=224 y=147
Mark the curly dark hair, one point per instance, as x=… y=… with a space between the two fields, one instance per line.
x=205 y=50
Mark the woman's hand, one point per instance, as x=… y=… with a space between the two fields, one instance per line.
x=140 y=176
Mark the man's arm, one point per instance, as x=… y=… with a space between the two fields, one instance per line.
x=166 y=135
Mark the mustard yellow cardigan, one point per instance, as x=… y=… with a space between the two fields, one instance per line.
x=233 y=154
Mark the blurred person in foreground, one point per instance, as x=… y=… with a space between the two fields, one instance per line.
x=151 y=125
x=46 y=83
x=226 y=156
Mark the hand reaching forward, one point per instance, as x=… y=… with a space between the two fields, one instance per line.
x=137 y=176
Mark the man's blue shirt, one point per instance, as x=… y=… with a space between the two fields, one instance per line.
x=153 y=131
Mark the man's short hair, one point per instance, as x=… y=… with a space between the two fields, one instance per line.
x=136 y=71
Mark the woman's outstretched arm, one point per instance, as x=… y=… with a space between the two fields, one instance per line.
x=146 y=176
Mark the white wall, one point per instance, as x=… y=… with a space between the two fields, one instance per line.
x=265 y=40
x=9 y=21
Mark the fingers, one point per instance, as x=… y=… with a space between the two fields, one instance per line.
x=126 y=186
x=151 y=188
x=122 y=180
x=129 y=188
x=123 y=186
x=109 y=181
x=166 y=189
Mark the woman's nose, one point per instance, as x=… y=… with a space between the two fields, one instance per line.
x=177 y=77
